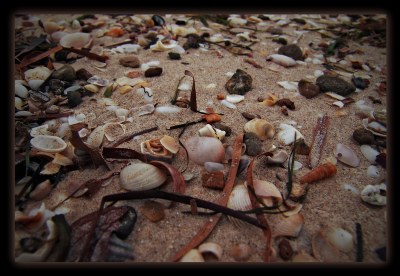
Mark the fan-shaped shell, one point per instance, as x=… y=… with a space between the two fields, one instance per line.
x=48 y=143
x=203 y=149
x=76 y=40
x=261 y=128
x=239 y=199
x=141 y=176
x=289 y=226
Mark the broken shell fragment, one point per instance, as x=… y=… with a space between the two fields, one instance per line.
x=203 y=149
x=62 y=160
x=373 y=171
x=339 y=238
x=209 y=131
x=289 y=226
x=193 y=255
x=374 y=194
x=267 y=192
x=76 y=40
x=142 y=110
x=261 y=128
x=346 y=155
x=234 y=98
x=369 y=153
x=239 y=83
x=48 y=143
x=211 y=247
x=114 y=130
x=96 y=137
x=282 y=60
x=278 y=158
x=41 y=190
x=323 y=250
x=170 y=144
x=141 y=177
x=375 y=127
x=239 y=200
x=286 y=135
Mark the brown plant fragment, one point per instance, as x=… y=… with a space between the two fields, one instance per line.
x=320 y=132
x=252 y=62
x=286 y=102
x=213 y=180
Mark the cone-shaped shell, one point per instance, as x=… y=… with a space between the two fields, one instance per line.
x=141 y=177
x=76 y=40
x=346 y=155
x=205 y=149
x=261 y=128
x=48 y=143
x=289 y=226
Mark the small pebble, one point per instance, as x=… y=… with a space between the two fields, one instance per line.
x=291 y=50
x=83 y=74
x=53 y=109
x=286 y=102
x=174 y=56
x=213 y=180
x=130 y=61
x=285 y=250
x=253 y=144
x=240 y=83
x=65 y=73
x=74 y=98
x=250 y=116
x=363 y=136
x=153 y=72
x=336 y=85
x=308 y=89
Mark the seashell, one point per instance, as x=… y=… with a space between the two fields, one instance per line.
x=203 y=149
x=38 y=73
x=167 y=109
x=240 y=83
x=23 y=113
x=293 y=211
x=369 y=153
x=35 y=84
x=374 y=127
x=288 y=226
x=278 y=158
x=211 y=247
x=142 y=110
x=75 y=25
x=184 y=86
x=209 y=131
x=346 y=155
x=270 y=100
x=98 y=81
x=303 y=257
x=213 y=166
x=374 y=194
x=21 y=91
x=127 y=48
x=48 y=143
x=161 y=47
x=234 y=98
x=373 y=171
x=228 y=104
x=155 y=148
x=92 y=88
x=50 y=27
x=141 y=176
x=18 y=103
x=41 y=191
x=76 y=119
x=56 y=36
x=261 y=128
x=50 y=168
x=268 y=192
x=170 y=144
x=62 y=160
x=379 y=116
x=239 y=200
x=146 y=93
x=114 y=130
x=240 y=252
x=324 y=250
x=193 y=255
x=339 y=238
x=234 y=21
x=96 y=137
x=121 y=112
x=286 y=135
x=282 y=60
x=349 y=187
x=296 y=166
x=289 y=85
x=63 y=130
x=76 y=40
x=187 y=176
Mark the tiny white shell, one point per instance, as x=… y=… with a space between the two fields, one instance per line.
x=228 y=104
x=372 y=194
x=369 y=153
x=289 y=85
x=278 y=157
x=96 y=137
x=339 y=238
x=167 y=109
x=282 y=60
x=234 y=98
x=373 y=171
x=192 y=256
x=21 y=91
x=210 y=131
x=374 y=127
x=141 y=176
x=346 y=155
x=142 y=110
x=289 y=226
x=48 y=143
x=286 y=135
x=184 y=86
x=211 y=247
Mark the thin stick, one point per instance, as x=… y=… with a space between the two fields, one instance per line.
x=130 y=136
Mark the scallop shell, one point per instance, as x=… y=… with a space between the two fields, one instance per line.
x=211 y=247
x=96 y=137
x=374 y=194
x=233 y=98
x=261 y=128
x=323 y=250
x=48 y=143
x=203 y=149
x=268 y=192
x=339 y=238
x=76 y=40
x=193 y=255
x=289 y=226
x=170 y=144
x=210 y=131
x=141 y=176
x=239 y=199
x=346 y=155
x=282 y=60
x=369 y=153
x=286 y=135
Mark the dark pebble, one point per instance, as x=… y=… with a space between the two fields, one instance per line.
x=286 y=102
x=127 y=223
x=253 y=144
x=173 y=55
x=53 y=109
x=360 y=83
x=57 y=86
x=250 y=116
x=280 y=40
x=65 y=73
x=239 y=83
x=275 y=30
x=308 y=89
x=223 y=127
x=130 y=61
x=243 y=164
x=158 y=20
x=192 y=41
x=30 y=245
x=363 y=136
x=153 y=72
x=381 y=159
x=83 y=74
x=291 y=50
x=74 y=98
x=336 y=85
x=381 y=252
x=285 y=250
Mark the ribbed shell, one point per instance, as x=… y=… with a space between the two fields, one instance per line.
x=141 y=177
x=289 y=226
x=239 y=199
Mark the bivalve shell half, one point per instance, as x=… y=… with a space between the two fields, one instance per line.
x=234 y=98
x=286 y=135
x=289 y=226
x=211 y=247
x=268 y=192
x=323 y=250
x=114 y=130
x=210 y=131
x=239 y=200
x=141 y=177
x=369 y=153
x=375 y=127
x=203 y=149
x=38 y=73
x=48 y=143
x=374 y=194
x=170 y=144
x=339 y=238
x=346 y=155
x=282 y=60
x=96 y=137
x=193 y=255
x=76 y=40
x=261 y=128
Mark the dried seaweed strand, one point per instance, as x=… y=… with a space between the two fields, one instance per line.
x=193 y=101
x=28 y=61
x=320 y=132
x=173 y=101
x=130 y=136
x=118 y=43
x=207 y=228
x=86 y=54
x=49 y=116
x=359 y=244
x=291 y=166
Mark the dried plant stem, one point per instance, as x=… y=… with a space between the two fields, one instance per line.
x=320 y=133
x=130 y=136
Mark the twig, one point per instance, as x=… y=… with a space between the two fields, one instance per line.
x=86 y=54
x=130 y=136
x=118 y=43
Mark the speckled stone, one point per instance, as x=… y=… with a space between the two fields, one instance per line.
x=253 y=144
x=336 y=85
x=65 y=73
x=291 y=50
x=308 y=89
x=239 y=83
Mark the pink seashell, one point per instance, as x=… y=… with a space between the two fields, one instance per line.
x=346 y=155
x=205 y=149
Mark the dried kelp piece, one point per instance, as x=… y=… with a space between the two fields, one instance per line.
x=252 y=62
x=129 y=136
x=177 y=177
x=320 y=132
x=62 y=245
x=28 y=61
x=286 y=102
x=110 y=220
x=86 y=54
x=122 y=153
x=193 y=102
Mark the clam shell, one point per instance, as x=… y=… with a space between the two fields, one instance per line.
x=239 y=199
x=211 y=247
x=373 y=171
x=369 y=153
x=193 y=255
x=233 y=98
x=38 y=73
x=96 y=137
x=141 y=176
x=282 y=60
x=261 y=128
x=21 y=91
x=62 y=160
x=339 y=238
x=76 y=40
x=228 y=104
x=114 y=130
x=203 y=149
x=278 y=158
x=323 y=250
x=288 y=226
x=346 y=155
x=267 y=192
x=18 y=103
x=375 y=127
x=142 y=110
x=210 y=131
x=96 y=80
x=48 y=143
x=372 y=194
x=170 y=144
x=286 y=135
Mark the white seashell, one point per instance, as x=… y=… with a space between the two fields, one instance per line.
x=212 y=86
x=21 y=91
x=50 y=27
x=335 y=96
x=35 y=84
x=48 y=143
x=178 y=49
x=239 y=200
x=203 y=149
x=228 y=104
x=339 y=238
x=211 y=247
x=18 y=103
x=121 y=112
x=289 y=85
x=296 y=166
x=373 y=171
x=147 y=96
x=142 y=110
x=351 y=188
x=360 y=105
x=62 y=160
x=56 y=36
x=76 y=25
x=346 y=155
x=210 y=131
x=76 y=40
x=161 y=47
x=374 y=194
x=369 y=153
x=63 y=130
x=213 y=166
x=114 y=130
x=141 y=176
x=192 y=256
x=282 y=60
x=236 y=21
x=262 y=128
x=244 y=36
x=234 y=98
x=268 y=192
x=374 y=127
x=278 y=158
x=76 y=119
x=229 y=74
x=38 y=73
x=23 y=113
x=286 y=135
x=288 y=226
x=187 y=176
x=170 y=144
x=167 y=109
x=324 y=250
x=40 y=130
x=98 y=81
x=96 y=137
x=83 y=132
x=127 y=49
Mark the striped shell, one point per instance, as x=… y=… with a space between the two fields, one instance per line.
x=239 y=199
x=261 y=128
x=141 y=177
x=289 y=226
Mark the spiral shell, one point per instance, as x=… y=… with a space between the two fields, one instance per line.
x=261 y=128
x=141 y=176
